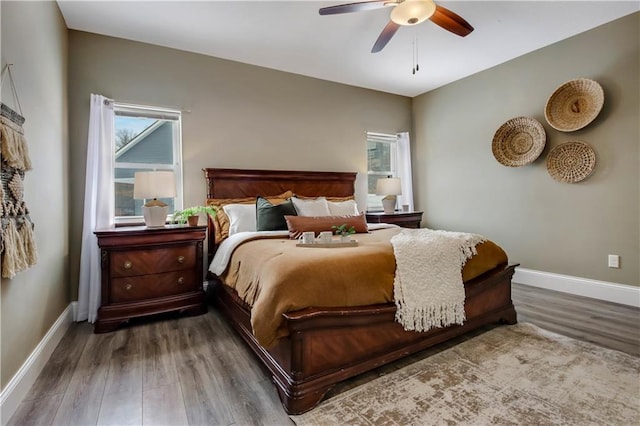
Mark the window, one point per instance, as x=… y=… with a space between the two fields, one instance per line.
x=389 y=156
x=382 y=160
x=146 y=138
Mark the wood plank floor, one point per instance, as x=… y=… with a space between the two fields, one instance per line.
x=604 y=323
x=195 y=371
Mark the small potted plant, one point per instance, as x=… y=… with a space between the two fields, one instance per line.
x=344 y=231
x=191 y=214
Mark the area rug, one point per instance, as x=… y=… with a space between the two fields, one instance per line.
x=509 y=375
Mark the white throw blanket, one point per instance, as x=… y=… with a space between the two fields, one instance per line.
x=428 y=288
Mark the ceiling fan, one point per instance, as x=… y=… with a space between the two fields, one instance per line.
x=405 y=13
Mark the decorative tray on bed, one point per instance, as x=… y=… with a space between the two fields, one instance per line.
x=332 y=244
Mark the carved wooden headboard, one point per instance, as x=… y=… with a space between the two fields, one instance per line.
x=238 y=183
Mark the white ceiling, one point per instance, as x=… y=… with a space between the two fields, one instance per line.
x=291 y=36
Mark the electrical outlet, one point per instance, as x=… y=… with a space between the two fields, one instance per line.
x=614 y=261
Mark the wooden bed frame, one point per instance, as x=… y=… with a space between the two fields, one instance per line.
x=328 y=345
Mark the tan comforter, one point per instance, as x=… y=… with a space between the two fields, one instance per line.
x=273 y=276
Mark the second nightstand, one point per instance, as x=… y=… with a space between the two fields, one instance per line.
x=149 y=271
x=404 y=219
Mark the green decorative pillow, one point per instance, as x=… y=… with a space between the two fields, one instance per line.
x=270 y=217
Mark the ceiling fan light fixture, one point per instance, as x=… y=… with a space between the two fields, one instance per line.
x=413 y=12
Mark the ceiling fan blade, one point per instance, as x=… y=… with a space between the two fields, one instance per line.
x=385 y=36
x=451 y=22
x=355 y=7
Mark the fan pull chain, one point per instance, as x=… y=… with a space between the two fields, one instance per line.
x=413 y=55
x=416 y=65
x=417 y=50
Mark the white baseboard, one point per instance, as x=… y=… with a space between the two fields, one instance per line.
x=17 y=388
x=74 y=310
x=602 y=290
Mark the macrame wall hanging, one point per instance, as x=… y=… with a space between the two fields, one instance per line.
x=18 y=245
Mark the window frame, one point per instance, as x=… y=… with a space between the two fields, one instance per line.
x=147 y=111
x=392 y=141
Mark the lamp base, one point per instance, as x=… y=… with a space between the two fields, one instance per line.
x=155 y=216
x=389 y=204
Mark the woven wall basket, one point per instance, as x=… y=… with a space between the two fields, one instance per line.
x=519 y=141
x=574 y=105
x=571 y=162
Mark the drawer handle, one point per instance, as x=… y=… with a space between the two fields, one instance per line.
x=180 y=259
x=128 y=264
x=128 y=287
x=181 y=280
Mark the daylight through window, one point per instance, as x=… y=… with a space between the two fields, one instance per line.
x=146 y=139
x=382 y=160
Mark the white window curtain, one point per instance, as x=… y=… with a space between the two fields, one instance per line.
x=404 y=170
x=98 y=203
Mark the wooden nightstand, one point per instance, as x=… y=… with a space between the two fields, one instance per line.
x=404 y=219
x=150 y=271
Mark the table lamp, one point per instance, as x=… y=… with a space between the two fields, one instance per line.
x=151 y=186
x=389 y=187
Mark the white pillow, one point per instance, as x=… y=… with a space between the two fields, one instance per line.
x=343 y=208
x=242 y=217
x=314 y=207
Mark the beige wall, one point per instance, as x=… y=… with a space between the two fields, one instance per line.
x=34 y=39
x=544 y=225
x=240 y=115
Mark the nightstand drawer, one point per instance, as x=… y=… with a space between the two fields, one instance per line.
x=150 y=271
x=142 y=262
x=403 y=219
x=151 y=286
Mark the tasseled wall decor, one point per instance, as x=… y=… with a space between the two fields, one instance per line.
x=18 y=245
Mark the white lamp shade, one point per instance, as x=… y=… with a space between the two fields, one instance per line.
x=389 y=186
x=155 y=184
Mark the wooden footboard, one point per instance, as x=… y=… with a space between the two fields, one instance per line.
x=328 y=345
